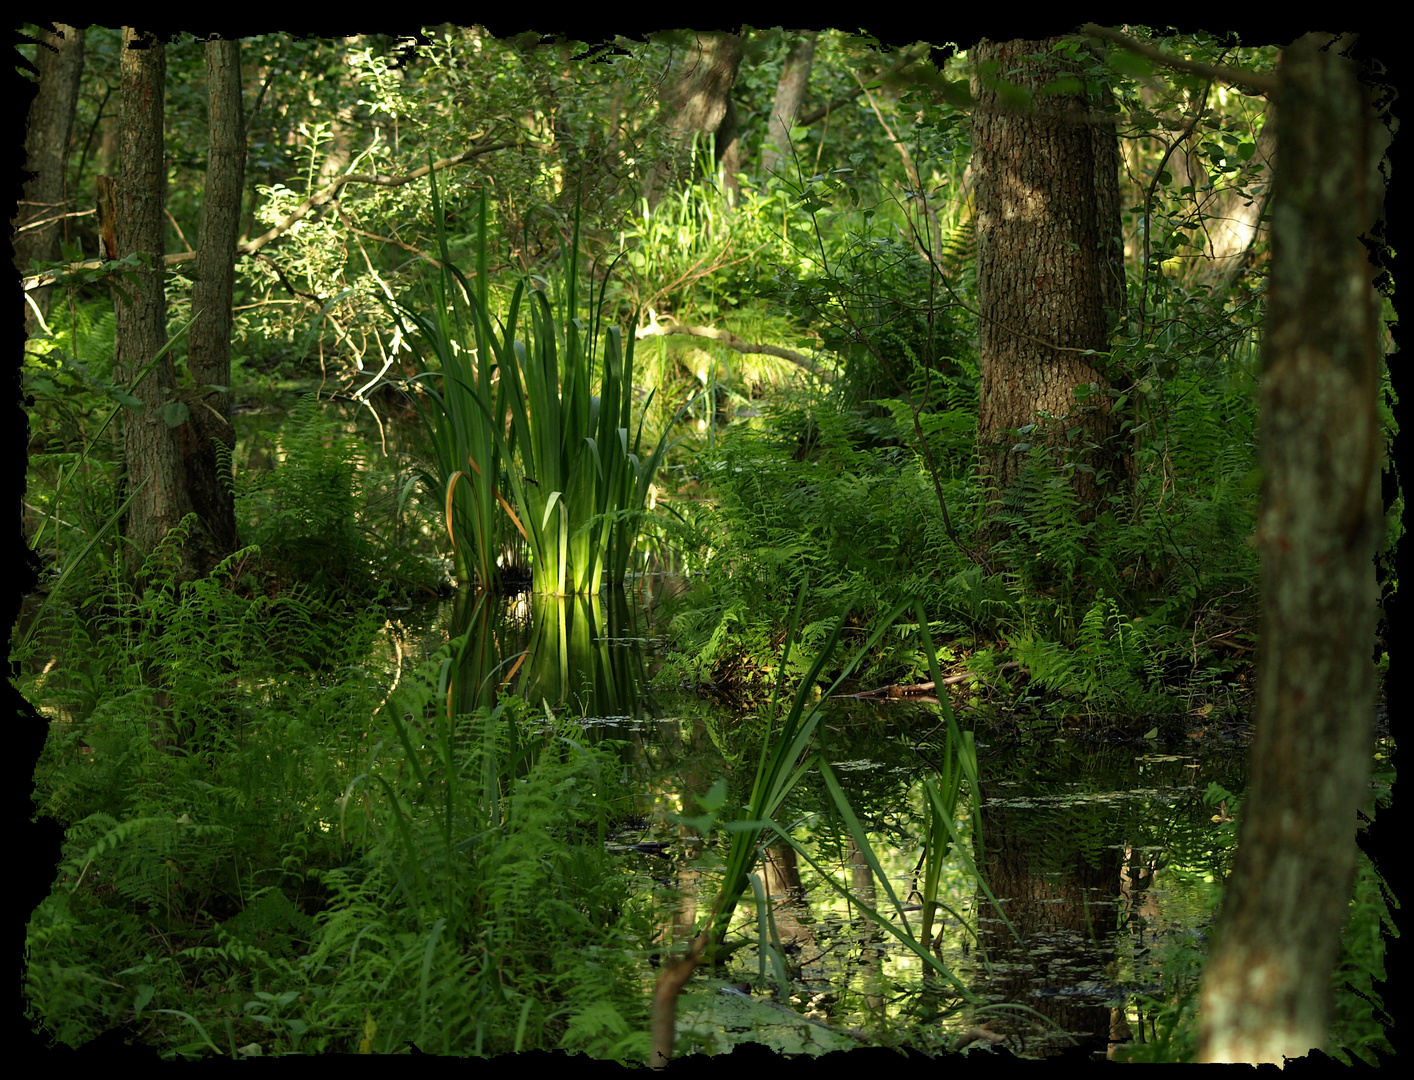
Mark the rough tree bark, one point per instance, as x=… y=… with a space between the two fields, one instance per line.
x=1267 y=986
x=59 y=65
x=207 y=436
x=790 y=93
x=698 y=103
x=1048 y=266
x=155 y=475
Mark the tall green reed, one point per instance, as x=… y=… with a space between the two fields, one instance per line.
x=522 y=411
x=785 y=760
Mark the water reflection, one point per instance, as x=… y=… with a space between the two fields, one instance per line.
x=582 y=653
x=1094 y=852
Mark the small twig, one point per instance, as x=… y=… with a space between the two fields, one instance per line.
x=180 y=235
x=57 y=217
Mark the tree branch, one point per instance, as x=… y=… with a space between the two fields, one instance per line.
x=313 y=202
x=1251 y=80
x=731 y=341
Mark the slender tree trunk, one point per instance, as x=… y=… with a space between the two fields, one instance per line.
x=59 y=64
x=1047 y=188
x=1236 y=216
x=155 y=475
x=1267 y=987
x=208 y=435
x=790 y=93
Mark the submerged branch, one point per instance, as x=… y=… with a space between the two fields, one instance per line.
x=671 y=980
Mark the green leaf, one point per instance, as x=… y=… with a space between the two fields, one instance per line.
x=144 y=995
x=1066 y=84
x=1130 y=63
x=175 y=413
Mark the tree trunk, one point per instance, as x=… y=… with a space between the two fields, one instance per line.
x=1267 y=986
x=208 y=431
x=59 y=65
x=1047 y=189
x=155 y=474
x=1233 y=212
x=790 y=93
x=697 y=104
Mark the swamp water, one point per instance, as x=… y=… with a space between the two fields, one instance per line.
x=1103 y=856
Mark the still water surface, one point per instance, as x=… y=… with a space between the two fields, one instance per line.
x=1102 y=856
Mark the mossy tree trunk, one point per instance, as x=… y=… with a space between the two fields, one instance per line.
x=1267 y=986
x=1049 y=269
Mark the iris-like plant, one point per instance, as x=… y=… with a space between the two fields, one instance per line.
x=522 y=412
x=785 y=759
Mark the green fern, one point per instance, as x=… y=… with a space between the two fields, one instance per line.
x=304 y=512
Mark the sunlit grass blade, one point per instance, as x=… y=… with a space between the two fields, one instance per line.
x=861 y=840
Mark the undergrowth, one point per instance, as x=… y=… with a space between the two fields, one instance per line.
x=304 y=515
x=266 y=851
x=1133 y=611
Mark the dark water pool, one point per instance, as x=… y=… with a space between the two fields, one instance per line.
x=1102 y=856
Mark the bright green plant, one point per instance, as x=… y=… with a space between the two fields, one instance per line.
x=785 y=760
x=573 y=461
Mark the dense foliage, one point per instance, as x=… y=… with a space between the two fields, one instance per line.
x=280 y=834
